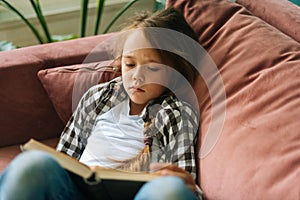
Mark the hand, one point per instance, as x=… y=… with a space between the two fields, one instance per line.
x=96 y=167
x=164 y=169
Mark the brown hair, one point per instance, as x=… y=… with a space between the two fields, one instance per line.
x=173 y=20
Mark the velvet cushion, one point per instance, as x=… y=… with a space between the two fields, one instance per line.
x=283 y=15
x=257 y=153
x=65 y=85
x=9 y=152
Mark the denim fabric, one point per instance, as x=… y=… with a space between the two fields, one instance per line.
x=36 y=175
x=165 y=188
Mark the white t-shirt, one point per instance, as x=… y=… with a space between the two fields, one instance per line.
x=117 y=136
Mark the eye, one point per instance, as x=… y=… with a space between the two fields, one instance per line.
x=129 y=64
x=153 y=68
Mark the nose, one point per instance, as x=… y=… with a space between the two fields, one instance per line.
x=138 y=73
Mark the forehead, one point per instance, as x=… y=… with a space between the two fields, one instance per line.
x=136 y=40
x=150 y=54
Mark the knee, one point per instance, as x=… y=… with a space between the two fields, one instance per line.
x=33 y=159
x=167 y=187
x=170 y=183
x=34 y=175
x=31 y=164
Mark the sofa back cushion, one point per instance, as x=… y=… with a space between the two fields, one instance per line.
x=25 y=108
x=284 y=15
x=257 y=153
x=65 y=85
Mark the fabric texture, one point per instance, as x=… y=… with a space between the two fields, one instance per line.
x=28 y=177
x=284 y=15
x=26 y=110
x=116 y=136
x=33 y=181
x=257 y=154
x=65 y=85
x=175 y=125
x=169 y=187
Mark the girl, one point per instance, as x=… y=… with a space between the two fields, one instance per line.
x=135 y=122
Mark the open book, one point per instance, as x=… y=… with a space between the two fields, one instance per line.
x=98 y=183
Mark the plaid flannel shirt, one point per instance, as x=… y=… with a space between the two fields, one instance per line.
x=175 y=130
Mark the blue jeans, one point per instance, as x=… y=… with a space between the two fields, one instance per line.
x=36 y=175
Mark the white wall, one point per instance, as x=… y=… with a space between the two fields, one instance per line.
x=65 y=21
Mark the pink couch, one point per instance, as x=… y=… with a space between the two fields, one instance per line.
x=257 y=152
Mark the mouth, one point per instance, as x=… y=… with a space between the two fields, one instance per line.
x=136 y=89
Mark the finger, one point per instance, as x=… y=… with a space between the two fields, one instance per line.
x=174 y=168
x=96 y=167
x=185 y=176
x=158 y=166
x=167 y=172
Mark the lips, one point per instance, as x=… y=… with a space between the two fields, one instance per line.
x=136 y=89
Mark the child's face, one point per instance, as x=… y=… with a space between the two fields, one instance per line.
x=144 y=77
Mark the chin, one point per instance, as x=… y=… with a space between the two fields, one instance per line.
x=138 y=100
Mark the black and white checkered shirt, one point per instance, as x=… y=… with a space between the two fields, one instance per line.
x=174 y=133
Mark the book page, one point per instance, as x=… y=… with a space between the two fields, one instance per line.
x=113 y=174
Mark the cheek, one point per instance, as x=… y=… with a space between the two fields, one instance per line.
x=125 y=81
x=161 y=79
x=125 y=74
x=123 y=70
x=157 y=89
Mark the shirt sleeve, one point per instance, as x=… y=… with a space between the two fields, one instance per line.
x=178 y=126
x=74 y=136
x=199 y=193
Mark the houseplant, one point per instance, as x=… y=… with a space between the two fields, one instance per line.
x=47 y=37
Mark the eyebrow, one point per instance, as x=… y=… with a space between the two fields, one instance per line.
x=148 y=60
x=127 y=56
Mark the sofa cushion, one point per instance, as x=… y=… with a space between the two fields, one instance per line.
x=65 y=85
x=283 y=15
x=9 y=152
x=257 y=153
x=25 y=108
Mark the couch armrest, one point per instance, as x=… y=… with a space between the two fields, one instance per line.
x=26 y=110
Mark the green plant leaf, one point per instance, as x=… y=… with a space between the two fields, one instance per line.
x=159 y=5
x=83 y=16
x=119 y=13
x=6 y=46
x=57 y=38
x=37 y=8
x=32 y=28
x=100 y=6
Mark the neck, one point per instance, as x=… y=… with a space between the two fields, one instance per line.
x=136 y=109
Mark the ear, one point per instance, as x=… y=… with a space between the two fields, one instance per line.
x=116 y=64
